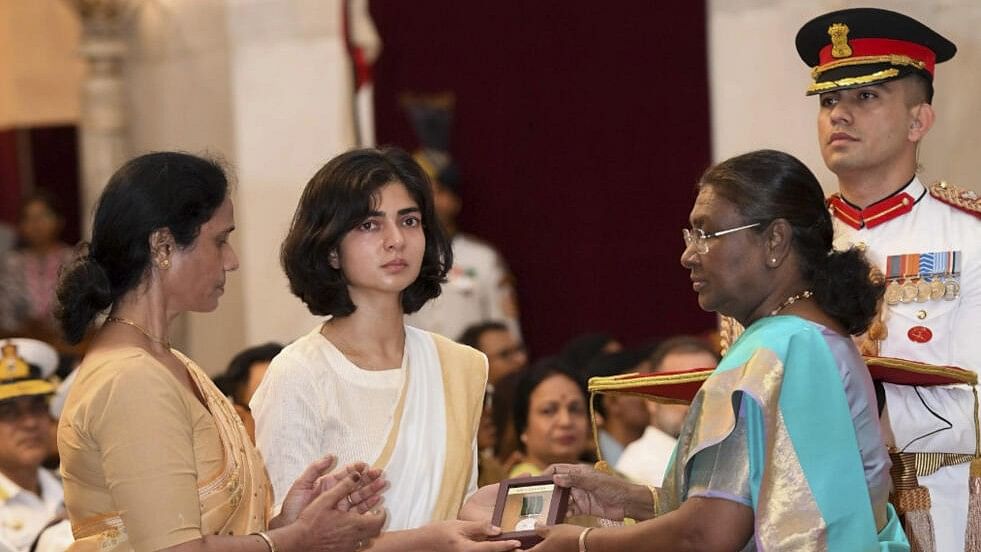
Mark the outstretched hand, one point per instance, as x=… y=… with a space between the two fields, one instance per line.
x=596 y=494
x=468 y=536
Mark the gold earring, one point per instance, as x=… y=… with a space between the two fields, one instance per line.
x=165 y=264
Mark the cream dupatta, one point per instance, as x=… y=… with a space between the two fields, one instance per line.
x=430 y=454
x=237 y=500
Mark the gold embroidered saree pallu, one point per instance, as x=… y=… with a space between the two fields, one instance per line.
x=235 y=501
x=798 y=452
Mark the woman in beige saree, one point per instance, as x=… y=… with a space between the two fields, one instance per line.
x=153 y=456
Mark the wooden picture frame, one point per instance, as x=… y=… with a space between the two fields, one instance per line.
x=523 y=502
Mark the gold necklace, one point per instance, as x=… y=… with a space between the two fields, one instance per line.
x=806 y=294
x=151 y=337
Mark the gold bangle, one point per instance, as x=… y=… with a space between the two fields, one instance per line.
x=654 y=498
x=269 y=542
x=582 y=538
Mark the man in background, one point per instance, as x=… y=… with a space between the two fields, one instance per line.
x=506 y=358
x=620 y=418
x=646 y=459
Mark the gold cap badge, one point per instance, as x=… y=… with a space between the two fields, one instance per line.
x=839 y=40
x=11 y=365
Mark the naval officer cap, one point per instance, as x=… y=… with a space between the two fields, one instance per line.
x=25 y=366
x=862 y=46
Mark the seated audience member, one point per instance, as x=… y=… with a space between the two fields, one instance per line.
x=550 y=416
x=31 y=273
x=580 y=350
x=30 y=496
x=505 y=352
x=781 y=448
x=242 y=378
x=621 y=419
x=646 y=459
x=153 y=455
x=364 y=250
x=506 y=358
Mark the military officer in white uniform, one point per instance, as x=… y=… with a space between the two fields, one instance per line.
x=479 y=287
x=873 y=70
x=30 y=496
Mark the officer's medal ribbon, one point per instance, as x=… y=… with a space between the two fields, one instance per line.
x=922 y=277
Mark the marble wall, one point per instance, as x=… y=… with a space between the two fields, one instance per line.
x=262 y=84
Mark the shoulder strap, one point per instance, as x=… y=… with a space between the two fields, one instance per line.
x=959 y=198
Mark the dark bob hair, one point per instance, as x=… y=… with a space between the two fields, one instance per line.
x=338 y=198
x=530 y=380
x=767 y=185
x=172 y=190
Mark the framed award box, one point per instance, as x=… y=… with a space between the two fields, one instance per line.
x=525 y=501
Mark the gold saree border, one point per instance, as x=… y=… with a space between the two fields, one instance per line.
x=226 y=484
x=787 y=516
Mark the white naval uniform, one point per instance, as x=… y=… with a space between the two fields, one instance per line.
x=23 y=514
x=932 y=226
x=478 y=289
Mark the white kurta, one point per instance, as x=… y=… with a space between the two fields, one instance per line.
x=314 y=401
x=23 y=514
x=646 y=459
x=932 y=226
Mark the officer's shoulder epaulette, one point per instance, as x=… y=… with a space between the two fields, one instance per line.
x=965 y=200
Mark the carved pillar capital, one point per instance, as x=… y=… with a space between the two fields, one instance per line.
x=105 y=28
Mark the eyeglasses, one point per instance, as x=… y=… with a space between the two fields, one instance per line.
x=700 y=239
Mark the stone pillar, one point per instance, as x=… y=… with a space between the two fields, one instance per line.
x=103 y=123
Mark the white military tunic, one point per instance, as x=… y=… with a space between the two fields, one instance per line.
x=478 y=289
x=953 y=339
x=23 y=514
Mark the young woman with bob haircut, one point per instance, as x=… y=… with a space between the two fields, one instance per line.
x=364 y=249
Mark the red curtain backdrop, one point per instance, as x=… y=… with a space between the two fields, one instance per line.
x=9 y=177
x=581 y=128
x=54 y=158
x=51 y=156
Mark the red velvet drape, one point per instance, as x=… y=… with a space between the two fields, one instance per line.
x=581 y=128
x=50 y=155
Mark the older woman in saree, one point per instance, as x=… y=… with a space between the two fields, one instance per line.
x=781 y=449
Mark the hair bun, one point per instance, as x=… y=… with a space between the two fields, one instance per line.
x=849 y=289
x=83 y=292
